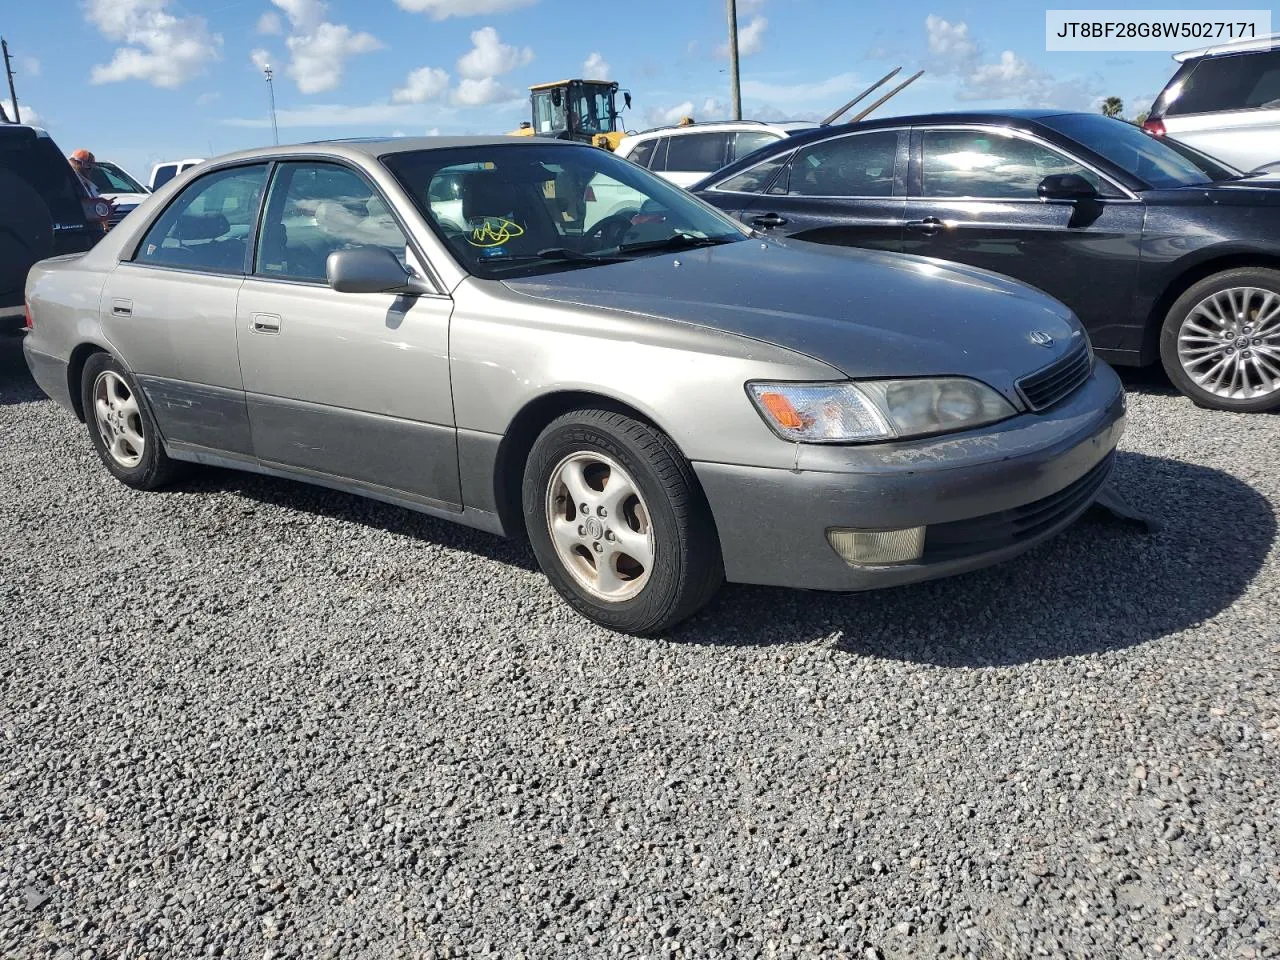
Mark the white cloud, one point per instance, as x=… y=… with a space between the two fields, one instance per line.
x=750 y=39
x=318 y=48
x=423 y=84
x=261 y=59
x=433 y=132
x=207 y=98
x=820 y=91
x=443 y=9
x=595 y=67
x=476 y=93
x=162 y=49
x=957 y=54
x=269 y=24
x=664 y=116
x=333 y=115
x=29 y=66
x=490 y=57
x=28 y=114
x=713 y=109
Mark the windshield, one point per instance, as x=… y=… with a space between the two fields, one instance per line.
x=109 y=178
x=1157 y=161
x=509 y=210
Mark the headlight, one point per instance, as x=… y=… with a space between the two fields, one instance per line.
x=876 y=409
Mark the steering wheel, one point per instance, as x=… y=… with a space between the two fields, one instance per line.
x=612 y=230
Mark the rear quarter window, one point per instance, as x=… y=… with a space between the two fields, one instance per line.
x=1217 y=84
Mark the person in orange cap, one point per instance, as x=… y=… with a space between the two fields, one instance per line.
x=83 y=162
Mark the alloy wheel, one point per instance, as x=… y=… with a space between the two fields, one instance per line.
x=119 y=419
x=1229 y=343
x=600 y=526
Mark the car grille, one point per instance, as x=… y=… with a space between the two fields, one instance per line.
x=966 y=538
x=1057 y=381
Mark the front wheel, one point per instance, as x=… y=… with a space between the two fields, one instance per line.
x=1220 y=343
x=618 y=523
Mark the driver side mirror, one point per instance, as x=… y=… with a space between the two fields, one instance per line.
x=626 y=98
x=371 y=270
x=1066 y=186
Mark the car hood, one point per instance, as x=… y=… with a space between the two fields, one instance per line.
x=1260 y=191
x=866 y=313
x=126 y=199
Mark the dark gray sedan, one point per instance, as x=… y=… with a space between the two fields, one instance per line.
x=542 y=339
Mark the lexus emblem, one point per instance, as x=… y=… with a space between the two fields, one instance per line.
x=1041 y=338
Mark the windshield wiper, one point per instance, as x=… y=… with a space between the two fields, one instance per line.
x=678 y=241
x=564 y=253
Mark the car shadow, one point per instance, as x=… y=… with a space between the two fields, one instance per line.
x=1150 y=379
x=1102 y=585
x=16 y=385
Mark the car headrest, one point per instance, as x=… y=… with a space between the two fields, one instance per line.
x=488 y=195
x=201 y=226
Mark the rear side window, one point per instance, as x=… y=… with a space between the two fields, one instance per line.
x=38 y=161
x=1242 y=82
x=163 y=175
x=749 y=141
x=643 y=152
x=697 y=152
x=856 y=166
x=207 y=227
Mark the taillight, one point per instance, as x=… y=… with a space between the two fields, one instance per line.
x=1154 y=127
x=27 y=321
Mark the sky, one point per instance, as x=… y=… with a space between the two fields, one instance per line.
x=141 y=81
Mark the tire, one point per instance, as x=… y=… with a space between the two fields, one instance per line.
x=658 y=552
x=123 y=431
x=1206 y=350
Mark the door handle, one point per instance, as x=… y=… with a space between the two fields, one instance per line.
x=928 y=226
x=265 y=323
x=122 y=308
x=768 y=220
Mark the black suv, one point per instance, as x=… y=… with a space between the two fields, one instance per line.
x=44 y=210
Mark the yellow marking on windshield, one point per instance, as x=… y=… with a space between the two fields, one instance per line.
x=494 y=232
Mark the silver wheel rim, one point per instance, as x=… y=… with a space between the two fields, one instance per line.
x=1229 y=344
x=600 y=526
x=119 y=421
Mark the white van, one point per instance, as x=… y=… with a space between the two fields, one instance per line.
x=162 y=173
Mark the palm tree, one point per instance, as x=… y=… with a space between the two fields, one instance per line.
x=1113 y=107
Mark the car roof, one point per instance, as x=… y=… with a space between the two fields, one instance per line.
x=1249 y=45
x=712 y=126
x=363 y=148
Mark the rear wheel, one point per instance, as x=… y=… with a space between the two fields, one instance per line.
x=1220 y=343
x=618 y=522
x=121 y=427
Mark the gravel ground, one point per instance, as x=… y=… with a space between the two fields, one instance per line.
x=249 y=718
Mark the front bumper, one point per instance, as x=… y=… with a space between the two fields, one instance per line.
x=983 y=495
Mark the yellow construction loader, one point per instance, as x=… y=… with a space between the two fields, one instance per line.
x=584 y=110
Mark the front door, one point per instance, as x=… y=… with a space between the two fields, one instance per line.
x=347 y=386
x=974 y=199
x=842 y=191
x=171 y=310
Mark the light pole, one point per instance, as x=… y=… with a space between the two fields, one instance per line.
x=735 y=95
x=271 y=99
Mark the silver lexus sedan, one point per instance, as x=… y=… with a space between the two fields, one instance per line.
x=538 y=338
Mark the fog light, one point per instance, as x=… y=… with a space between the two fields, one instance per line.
x=877 y=547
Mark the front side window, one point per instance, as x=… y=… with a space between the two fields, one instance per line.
x=697 y=152
x=855 y=166
x=535 y=208
x=990 y=165
x=749 y=141
x=109 y=179
x=208 y=226
x=315 y=209
x=755 y=179
x=642 y=152
x=1248 y=81
x=164 y=174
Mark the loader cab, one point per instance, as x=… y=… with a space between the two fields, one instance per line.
x=576 y=109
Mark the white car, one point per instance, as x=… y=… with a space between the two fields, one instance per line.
x=1225 y=101
x=116 y=185
x=162 y=173
x=687 y=153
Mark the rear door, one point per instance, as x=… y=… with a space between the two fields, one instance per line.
x=691 y=156
x=846 y=190
x=975 y=199
x=171 y=310
x=350 y=386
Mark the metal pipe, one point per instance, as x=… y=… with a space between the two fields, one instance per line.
x=8 y=69
x=905 y=83
x=271 y=99
x=735 y=91
x=835 y=116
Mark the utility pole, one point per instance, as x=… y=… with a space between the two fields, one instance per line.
x=271 y=98
x=735 y=94
x=8 y=69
